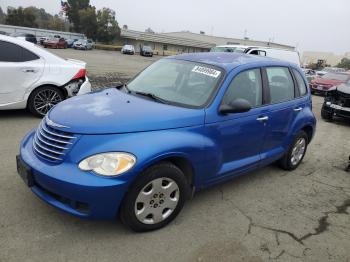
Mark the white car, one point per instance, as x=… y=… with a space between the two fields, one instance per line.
x=34 y=78
x=282 y=54
x=128 y=49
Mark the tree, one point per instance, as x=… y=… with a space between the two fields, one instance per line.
x=344 y=63
x=107 y=26
x=56 y=23
x=76 y=6
x=149 y=30
x=2 y=16
x=88 y=22
x=21 y=17
x=125 y=27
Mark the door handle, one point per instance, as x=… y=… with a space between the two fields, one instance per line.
x=29 y=70
x=262 y=118
x=298 y=109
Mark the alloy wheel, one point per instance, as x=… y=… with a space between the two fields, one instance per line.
x=298 y=151
x=45 y=100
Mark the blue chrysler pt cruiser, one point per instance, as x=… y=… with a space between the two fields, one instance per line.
x=186 y=122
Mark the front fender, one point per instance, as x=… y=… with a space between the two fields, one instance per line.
x=148 y=147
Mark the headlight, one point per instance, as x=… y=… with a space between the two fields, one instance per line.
x=108 y=164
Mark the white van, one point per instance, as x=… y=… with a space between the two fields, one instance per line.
x=282 y=54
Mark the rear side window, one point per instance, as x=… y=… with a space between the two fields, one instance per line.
x=246 y=85
x=280 y=83
x=10 y=52
x=301 y=84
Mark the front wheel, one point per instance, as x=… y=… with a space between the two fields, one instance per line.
x=42 y=99
x=155 y=199
x=292 y=159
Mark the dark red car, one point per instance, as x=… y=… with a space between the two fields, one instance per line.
x=56 y=43
x=328 y=82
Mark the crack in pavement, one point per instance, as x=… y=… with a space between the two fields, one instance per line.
x=322 y=227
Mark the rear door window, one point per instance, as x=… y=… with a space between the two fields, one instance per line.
x=280 y=83
x=301 y=83
x=10 y=52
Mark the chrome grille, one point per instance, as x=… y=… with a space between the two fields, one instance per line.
x=52 y=144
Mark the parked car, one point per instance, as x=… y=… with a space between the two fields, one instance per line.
x=128 y=49
x=328 y=82
x=83 y=44
x=146 y=51
x=337 y=103
x=310 y=74
x=36 y=79
x=329 y=70
x=286 y=55
x=43 y=39
x=55 y=43
x=185 y=123
x=24 y=36
x=70 y=42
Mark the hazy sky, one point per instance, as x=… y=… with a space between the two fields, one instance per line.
x=312 y=25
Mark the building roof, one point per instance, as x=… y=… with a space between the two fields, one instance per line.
x=165 y=39
x=226 y=60
x=219 y=40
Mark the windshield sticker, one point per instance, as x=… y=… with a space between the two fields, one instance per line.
x=206 y=71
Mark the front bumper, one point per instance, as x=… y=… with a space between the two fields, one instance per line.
x=67 y=188
x=319 y=89
x=337 y=110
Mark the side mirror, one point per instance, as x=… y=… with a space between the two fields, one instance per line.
x=239 y=105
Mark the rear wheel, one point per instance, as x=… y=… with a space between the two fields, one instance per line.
x=155 y=199
x=292 y=159
x=42 y=99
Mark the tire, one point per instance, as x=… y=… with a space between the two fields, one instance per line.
x=327 y=116
x=286 y=162
x=36 y=104
x=155 y=177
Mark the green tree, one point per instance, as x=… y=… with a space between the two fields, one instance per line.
x=88 y=22
x=2 y=16
x=56 y=23
x=107 y=26
x=21 y=17
x=344 y=63
x=75 y=7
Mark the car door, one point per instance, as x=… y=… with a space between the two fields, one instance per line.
x=239 y=136
x=19 y=70
x=284 y=107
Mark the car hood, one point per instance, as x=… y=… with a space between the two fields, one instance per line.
x=322 y=81
x=344 y=88
x=112 y=111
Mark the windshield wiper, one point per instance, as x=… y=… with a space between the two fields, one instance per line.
x=152 y=96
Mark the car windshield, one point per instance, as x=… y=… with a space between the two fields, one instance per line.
x=333 y=76
x=147 y=48
x=179 y=82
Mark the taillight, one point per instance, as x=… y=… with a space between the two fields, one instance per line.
x=81 y=73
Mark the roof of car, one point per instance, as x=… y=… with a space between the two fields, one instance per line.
x=228 y=60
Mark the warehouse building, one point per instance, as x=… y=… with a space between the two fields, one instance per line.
x=185 y=42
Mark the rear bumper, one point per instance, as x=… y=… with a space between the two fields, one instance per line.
x=67 y=188
x=85 y=87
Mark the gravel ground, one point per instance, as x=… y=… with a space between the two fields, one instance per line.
x=267 y=215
